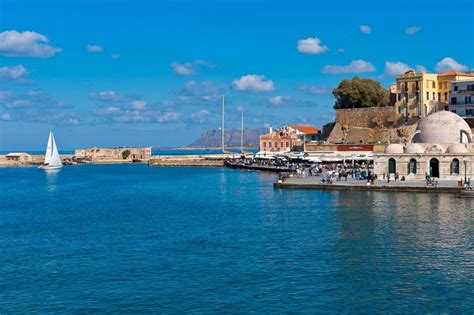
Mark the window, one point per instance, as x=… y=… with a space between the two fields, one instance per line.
x=392 y=166
x=433 y=84
x=264 y=144
x=428 y=96
x=399 y=95
x=276 y=145
x=455 y=167
x=412 y=166
x=455 y=87
x=446 y=96
x=439 y=96
x=453 y=100
x=281 y=144
x=434 y=96
x=287 y=144
x=465 y=100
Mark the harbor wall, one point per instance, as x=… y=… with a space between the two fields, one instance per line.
x=186 y=160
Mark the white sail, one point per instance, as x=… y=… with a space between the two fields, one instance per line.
x=52 y=158
x=55 y=158
x=49 y=150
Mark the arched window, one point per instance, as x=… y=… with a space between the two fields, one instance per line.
x=392 y=166
x=412 y=167
x=455 y=167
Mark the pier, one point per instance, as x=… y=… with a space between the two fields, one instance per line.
x=315 y=182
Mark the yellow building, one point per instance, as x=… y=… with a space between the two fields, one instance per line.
x=420 y=94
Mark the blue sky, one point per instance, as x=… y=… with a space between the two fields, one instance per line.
x=110 y=73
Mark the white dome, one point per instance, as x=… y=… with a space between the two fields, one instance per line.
x=442 y=127
x=394 y=148
x=457 y=148
x=415 y=148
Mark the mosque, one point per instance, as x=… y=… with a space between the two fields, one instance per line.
x=442 y=147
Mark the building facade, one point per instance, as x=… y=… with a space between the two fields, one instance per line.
x=461 y=98
x=288 y=138
x=420 y=94
x=126 y=153
x=441 y=147
x=20 y=157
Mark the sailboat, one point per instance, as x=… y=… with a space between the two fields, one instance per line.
x=52 y=160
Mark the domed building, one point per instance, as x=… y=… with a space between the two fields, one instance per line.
x=442 y=146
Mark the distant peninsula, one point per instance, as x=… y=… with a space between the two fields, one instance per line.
x=212 y=138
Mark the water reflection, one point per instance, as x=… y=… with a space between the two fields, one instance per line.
x=51 y=179
x=394 y=243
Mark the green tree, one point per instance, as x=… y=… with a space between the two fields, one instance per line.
x=125 y=154
x=357 y=93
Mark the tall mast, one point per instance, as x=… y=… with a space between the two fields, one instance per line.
x=242 y=131
x=222 y=127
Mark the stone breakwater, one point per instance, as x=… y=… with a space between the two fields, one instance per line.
x=188 y=160
x=36 y=159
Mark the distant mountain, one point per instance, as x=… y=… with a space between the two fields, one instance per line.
x=212 y=138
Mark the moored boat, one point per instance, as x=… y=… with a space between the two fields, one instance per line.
x=52 y=160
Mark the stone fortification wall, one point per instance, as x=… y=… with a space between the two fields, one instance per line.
x=371 y=117
x=370 y=125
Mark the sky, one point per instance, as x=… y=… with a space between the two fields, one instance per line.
x=120 y=73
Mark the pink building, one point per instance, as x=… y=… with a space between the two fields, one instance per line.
x=286 y=138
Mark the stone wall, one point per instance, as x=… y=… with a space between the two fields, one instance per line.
x=370 y=125
x=371 y=117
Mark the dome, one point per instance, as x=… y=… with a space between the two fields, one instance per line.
x=457 y=148
x=394 y=148
x=442 y=127
x=415 y=148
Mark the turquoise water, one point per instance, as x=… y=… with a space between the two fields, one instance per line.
x=128 y=238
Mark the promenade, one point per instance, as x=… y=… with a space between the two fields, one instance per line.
x=315 y=182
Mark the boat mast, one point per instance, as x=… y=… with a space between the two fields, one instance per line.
x=222 y=127
x=242 y=131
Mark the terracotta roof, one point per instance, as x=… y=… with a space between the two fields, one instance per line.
x=454 y=73
x=306 y=129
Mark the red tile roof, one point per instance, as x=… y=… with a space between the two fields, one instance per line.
x=453 y=73
x=306 y=129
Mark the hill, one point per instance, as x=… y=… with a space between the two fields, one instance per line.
x=212 y=138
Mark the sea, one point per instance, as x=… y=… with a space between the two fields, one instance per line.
x=137 y=239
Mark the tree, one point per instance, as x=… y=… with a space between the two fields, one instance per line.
x=357 y=93
x=125 y=154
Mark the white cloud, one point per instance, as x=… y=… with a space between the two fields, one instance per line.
x=448 y=63
x=421 y=69
x=139 y=105
x=115 y=56
x=366 y=29
x=253 y=83
x=340 y=50
x=104 y=96
x=395 y=68
x=168 y=117
x=26 y=44
x=279 y=100
x=412 y=30
x=6 y=117
x=12 y=73
x=311 y=45
x=356 y=66
x=20 y=103
x=189 y=68
x=200 y=116
x=314 y=89
x=94 y=48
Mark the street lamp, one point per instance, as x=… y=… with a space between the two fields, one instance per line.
x=465 y=169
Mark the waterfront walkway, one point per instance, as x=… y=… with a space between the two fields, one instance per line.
x=315 y=182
